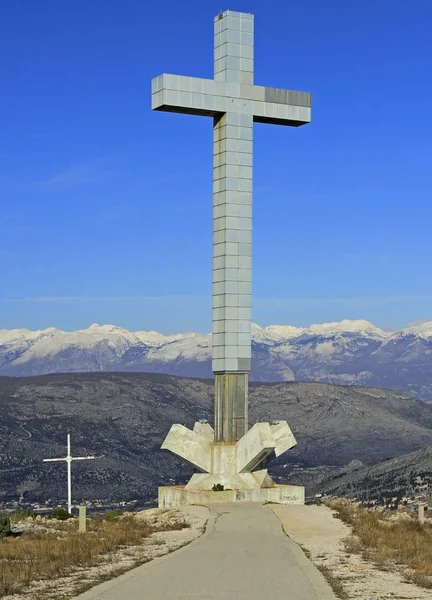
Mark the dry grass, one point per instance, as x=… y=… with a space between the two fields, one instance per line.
x=48 y=555
x=334 y=582
x=383 y=540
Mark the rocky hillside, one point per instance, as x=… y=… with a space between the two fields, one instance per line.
x=123 y=417
x=403 y=475
x=349 y=352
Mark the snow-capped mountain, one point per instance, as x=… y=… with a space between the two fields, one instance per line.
x=153 y=338
x=345 y=352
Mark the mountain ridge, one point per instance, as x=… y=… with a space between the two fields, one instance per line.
x=398 y=476
x=349 y=352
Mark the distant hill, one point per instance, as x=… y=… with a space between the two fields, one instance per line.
x=397 y=476
x=123 y=418
x=349 y=353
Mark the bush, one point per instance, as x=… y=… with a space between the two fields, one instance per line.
x=218 y=487
x=5 y=526
x=61 y=514
x=110 y=515
x=23 y=513
x=345 y=511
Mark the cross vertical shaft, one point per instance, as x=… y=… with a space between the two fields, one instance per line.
x=232 y=230
x=69 y=474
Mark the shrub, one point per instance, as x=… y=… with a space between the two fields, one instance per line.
x=218 y=487
x=23 y=513
x=5 y=526
x=110 y=515
x=344 y=511
x=61 y=514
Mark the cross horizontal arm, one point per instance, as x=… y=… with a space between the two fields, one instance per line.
x=207 y=97
x=192 y=95
x=83 y=457
x=53 y=459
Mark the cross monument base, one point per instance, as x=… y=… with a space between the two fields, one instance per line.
x=237 y=468
x=174 y=496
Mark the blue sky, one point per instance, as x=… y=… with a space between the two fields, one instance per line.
x=105 y=207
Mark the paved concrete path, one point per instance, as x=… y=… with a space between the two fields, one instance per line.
x=244 y=554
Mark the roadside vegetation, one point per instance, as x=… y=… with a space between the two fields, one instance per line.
x=334 y=582
x=388 y=539
x=60 y=548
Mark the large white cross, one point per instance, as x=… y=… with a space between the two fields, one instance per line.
x=235 y=103
x=69 y=460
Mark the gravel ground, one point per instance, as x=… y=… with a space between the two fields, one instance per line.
x=115 y=563
x=316 y=530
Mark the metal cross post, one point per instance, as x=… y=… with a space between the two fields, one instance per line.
x=69 y=460
x=234 y=103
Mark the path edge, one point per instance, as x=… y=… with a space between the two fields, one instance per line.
x=316 y=578
x=97 y=590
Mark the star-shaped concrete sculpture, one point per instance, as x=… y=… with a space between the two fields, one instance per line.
x=240 y=468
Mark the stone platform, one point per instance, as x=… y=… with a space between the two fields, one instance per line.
x=174 y=496
x=240 y=468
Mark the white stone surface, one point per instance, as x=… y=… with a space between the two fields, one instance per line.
x=263 y=479
x=224 y=458
x=231 y=464
x=174 y=496
x=230 y=481
x=283 y=437
x=205 y=430
x=189 y=446
x=254 y=447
